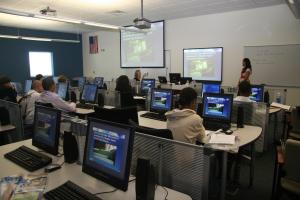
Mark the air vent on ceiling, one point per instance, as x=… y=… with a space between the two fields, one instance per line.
x=117 y=12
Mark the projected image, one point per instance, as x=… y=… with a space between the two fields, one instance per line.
x=217 y=107
x=45 y=128
x=203 y=64
x=89 y=93
x=256 y=94
x=138 y=51
x=161 y=100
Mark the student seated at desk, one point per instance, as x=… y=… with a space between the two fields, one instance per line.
x=49 y=96
x=244 y=92
x=124 y=87
x=7 y=91
x=184 y=122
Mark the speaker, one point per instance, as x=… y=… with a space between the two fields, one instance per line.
x=145 y=180
x=100 y=100
x=267 y=97
x=240 y=117
x=73 y=97
x=70 y=147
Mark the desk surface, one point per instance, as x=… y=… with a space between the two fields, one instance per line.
x=73 y=172
x=5 y=128
x=83 y=111
x=245 y=135
x=274 y=110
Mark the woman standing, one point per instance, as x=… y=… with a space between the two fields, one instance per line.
x=246 y=71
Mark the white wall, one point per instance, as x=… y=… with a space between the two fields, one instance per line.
x=232 y=30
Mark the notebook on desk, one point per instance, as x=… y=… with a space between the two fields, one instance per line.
x=216 y=112
x=161 y=102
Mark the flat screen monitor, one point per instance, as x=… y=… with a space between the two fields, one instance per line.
x=257 y=93
x=162 y=79
x=18 y=87
x=211 y=88
x=147 y=85
x=28 y=84
x=174 y=77
x=46 y=129
x=108 y=151
x=89 y=93
x=81 y=81
x=99 y=81
x=142 y=49
x=62 y=90
x=184 y=80
x=217 y=107
x=203 y=64
x=161 y=100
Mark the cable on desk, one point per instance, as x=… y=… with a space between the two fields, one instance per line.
x=131 y=180
x=106 y=192
x=166 y=192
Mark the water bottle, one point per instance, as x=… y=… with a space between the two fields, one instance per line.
x=278 y=97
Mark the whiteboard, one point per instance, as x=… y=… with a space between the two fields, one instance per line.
x=275 y=64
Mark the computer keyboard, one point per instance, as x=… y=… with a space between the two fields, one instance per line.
x=28 y=158
x=85 y=106
x=214 y=126
x=156 y=116
x=70 y=191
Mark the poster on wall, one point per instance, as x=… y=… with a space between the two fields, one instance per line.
x=93 y=41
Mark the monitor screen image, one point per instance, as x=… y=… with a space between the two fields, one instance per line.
x=210 y=88
x=89 y=93
x=161 y=100
x=108 y=151
x=28 y=84
x=99 y=81
x=203 y=64
x=81 y=81
x=217 y=106
x=62 y=90
x=257 y=93
x=174 y=77
x=146 y=85
x=46 y=129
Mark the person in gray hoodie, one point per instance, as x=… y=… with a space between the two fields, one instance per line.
x=185 y=124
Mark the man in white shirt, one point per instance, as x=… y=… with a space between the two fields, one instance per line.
x=244 y=92
x=49 y=96
x=30 y=99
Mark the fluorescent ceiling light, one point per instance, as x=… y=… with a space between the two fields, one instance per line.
x=9 y=36
x=38 y=39
x=100 y=25
x=73 y=21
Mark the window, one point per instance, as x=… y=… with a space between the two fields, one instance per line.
x=41 y=63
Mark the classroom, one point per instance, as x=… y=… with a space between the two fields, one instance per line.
x=115 y=99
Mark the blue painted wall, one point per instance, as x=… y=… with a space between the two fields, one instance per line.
x=14 y=54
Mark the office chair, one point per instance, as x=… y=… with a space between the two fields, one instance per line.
x=49 y=105
x=294 y=131
x=119 y=115
x=4 y=117
x=163 y=133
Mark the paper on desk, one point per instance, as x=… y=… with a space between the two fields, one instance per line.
x=222 y=139
x=279 y=105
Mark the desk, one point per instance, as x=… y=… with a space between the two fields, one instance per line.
x=83 y=111
x=246 y=135
x=73 y=172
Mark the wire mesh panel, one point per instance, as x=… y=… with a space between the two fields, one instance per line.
x=179 y=166
x=256 y=114
x=15 y=117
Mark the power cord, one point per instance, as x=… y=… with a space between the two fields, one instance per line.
x=106 y=192
x=166 y=192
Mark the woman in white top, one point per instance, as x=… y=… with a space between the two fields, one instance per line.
x=246 y=70
x=185 y=124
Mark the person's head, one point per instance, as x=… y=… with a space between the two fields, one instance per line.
x=37 y=86
x=137 y=75
x=62 y=79
x=188 y=99
x=48 y=84
x=244 y=88
x=123 y=84
x=39 y=77
x=247 y=63
x=5 y=82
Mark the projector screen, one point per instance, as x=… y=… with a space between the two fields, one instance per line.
x=144 y=48
x=203 y=64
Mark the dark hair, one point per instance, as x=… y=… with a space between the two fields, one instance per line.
x=244 y=88
x=123 y=84
x=39 y=77
x=4 y=79
x=187 y=96
x=47 y=83
x=246 y=64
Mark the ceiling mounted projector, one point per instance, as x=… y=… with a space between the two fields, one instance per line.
x=48 y=11
x=142 y=23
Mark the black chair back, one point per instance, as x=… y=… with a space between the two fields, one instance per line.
x=73 y=97
x=49 y=105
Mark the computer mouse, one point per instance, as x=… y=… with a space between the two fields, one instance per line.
x=228 y=132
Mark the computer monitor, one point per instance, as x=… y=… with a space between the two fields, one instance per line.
x=162 y=79
x=46 y=129
x=161 y=100
x=89 y=93
x=28 y=84
x=81 y=81
x=108 y=151
x=18 y=87
x=174 y=77
x=211 y=88
x=217 y=107
x=257 y=93
x=99 y=81
x=184 y=80
x=62 y=90
x=146 y=85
